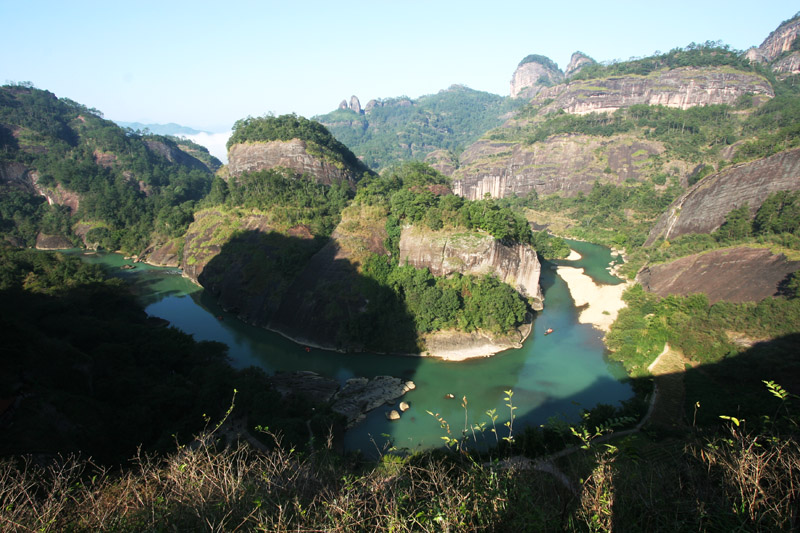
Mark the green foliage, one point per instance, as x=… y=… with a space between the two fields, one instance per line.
x=290 y=201
x=467 y=303
x=415 y=193
x=692 y=325
x=708 y=54
x=400 y=129
x=136 y=190
x=736 y=226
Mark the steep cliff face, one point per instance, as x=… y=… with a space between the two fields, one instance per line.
x=680 y=88
x=703 y=208
x=564 y=164
x=446 y=252
x=173 y=154
x=577 y=62
x=532 y=75
x=294 y=155
x=735 y=275
x=780 y=48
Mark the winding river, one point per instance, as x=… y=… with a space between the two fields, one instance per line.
x=553 y=375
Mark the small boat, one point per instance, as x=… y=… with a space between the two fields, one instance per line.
x=548 y=331
x=308 y=349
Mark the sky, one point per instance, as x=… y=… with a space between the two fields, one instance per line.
x=207 y=64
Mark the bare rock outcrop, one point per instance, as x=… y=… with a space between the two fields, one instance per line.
x=681 y=88
x=355 y=104
x=577 y=62
x=354 y=400
x=564 y=164
x=52 y=242
x=446 y=252
x=702 y=209
x=173 y=154
x=777 y=45
x=532 y=75
x=738 y=275
x=57 y=195
x=293 y=155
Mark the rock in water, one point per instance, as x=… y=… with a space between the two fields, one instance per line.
x=392 y=415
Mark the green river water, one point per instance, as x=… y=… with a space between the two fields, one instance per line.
x=552 y=375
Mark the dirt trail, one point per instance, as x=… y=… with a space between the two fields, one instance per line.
x=668 y=372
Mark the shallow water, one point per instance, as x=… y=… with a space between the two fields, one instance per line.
x=552 y=375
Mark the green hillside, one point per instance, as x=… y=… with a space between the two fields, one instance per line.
x=401 y=129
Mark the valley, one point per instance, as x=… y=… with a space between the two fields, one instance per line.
x=596 y=277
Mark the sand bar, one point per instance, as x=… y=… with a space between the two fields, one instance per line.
x=573 y=255
x=599 y=298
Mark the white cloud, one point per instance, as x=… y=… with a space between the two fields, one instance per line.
x=215 y=142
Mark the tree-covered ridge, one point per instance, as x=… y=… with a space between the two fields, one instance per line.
x=287 y=127
x=401 y=129
x=708 y=54
x=135 y=191
x=77 y=350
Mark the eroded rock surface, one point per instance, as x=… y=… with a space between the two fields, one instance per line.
x=702 y=209
x=446 y=252
x=293 y=155
x=738 y=275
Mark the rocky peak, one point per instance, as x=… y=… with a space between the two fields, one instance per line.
x=577 y=62
x=371 y=105
x=780 y=48
x=355 y=104
x=534 y=73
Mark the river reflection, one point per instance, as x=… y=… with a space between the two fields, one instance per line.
x=552 y=375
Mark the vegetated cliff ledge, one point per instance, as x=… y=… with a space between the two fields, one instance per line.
x=682 y=88
x=295 y=155
x=703 y=208
x=449 y=251
x=741 y=274
x=564 y=164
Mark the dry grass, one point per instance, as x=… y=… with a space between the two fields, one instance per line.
x=740 y=483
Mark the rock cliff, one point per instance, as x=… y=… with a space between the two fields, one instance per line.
x=446 y=252
x=564 y=164
x=577 y=62
x=740 y=274
x=173 y=154
x=703 y=208
x=295 y=155
x=532 y=75
x=780 y=48
x=681 y=88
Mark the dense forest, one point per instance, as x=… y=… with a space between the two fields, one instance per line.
x=399 y=129
x=130 y=191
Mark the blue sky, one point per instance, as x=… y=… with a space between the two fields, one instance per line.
x=207 y=64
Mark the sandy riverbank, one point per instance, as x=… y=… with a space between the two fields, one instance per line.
x=604 y=301
x=573 y=255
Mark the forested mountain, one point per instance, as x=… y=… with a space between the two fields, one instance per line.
x=105 y=185
x=402 y=129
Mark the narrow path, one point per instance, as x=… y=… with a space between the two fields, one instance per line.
x=668 y=372
x=666 y=409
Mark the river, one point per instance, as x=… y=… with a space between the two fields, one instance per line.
x=551 y=376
